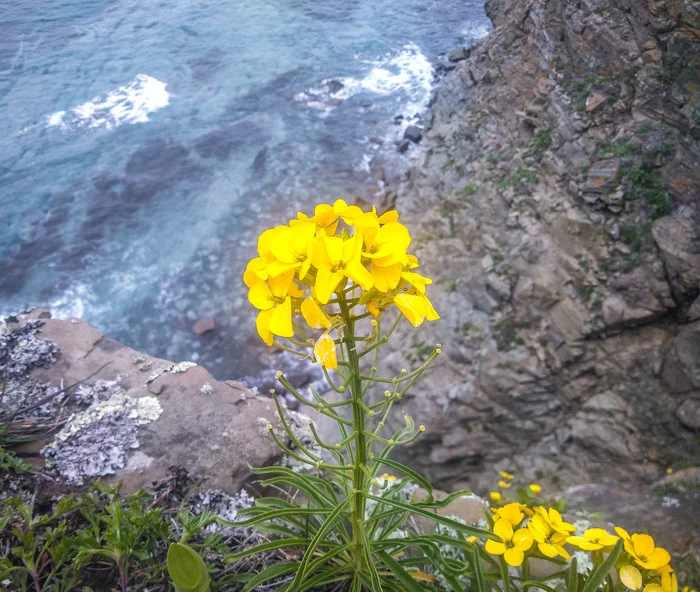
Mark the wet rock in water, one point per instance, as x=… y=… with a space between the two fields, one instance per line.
x=413 y=133
x=141 y=415
x=204 y=325
x=333 y=86
x=458 y=54
x=402 y=146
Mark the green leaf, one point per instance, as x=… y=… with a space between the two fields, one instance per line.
x=187 y=569
x=420 y=510
x=411 y=474
x=478 y=571
x=540 y=585
x=327 y=525
x=572 y=577
x=263 y=547
x=505 y=575
x=410 y=585
x=598 y=574
x=274 y=571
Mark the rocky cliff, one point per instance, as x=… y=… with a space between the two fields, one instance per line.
x=556 y=202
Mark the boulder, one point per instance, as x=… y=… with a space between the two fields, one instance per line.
x=181 y=415
x=204 y=325
x=413 y=133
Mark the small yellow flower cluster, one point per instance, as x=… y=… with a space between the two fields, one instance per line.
x=302 y=265
x=523 y=527
x=547 y=532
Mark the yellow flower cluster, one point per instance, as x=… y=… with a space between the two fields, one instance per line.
x=525 y=526
x=548 y=532
x=301 y=266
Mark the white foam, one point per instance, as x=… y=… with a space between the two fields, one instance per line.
x=131 y=103
x=407 y=71
x=472 y=31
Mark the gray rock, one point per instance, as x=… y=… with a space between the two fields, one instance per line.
x=688 y=413
x=216 y=433
x=413 y=133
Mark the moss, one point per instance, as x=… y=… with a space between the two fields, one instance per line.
x=467 y=190
x=517 y=179
x=644 y=183
x=497 y=256
x=539 y=143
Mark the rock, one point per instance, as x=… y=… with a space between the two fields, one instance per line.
x=570 y=319
x=670 y=521
x=602 y=175
x=471 y=509
x=413 y=133
x=693 y=313
x=204 y=325
x=458 y=54
x=676 y=236
x=688 y=413
x=208 y=427
x=402 y=146
x=681 y=370
x=594 y=101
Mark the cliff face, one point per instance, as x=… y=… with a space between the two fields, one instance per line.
x=556 y=201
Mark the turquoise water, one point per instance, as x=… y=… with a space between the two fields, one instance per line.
x=145 y=144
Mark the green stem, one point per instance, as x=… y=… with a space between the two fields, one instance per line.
x=358 y=419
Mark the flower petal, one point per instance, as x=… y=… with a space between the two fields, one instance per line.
x=630 y=577
x=281 y=319
x=494 y=548
x=313 y=315
x=514 y=556
x=262 y=324
x=325 y=353
x=504 y=529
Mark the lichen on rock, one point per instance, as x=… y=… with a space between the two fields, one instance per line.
x=96 y=441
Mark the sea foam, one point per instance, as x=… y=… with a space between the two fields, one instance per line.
x=131 y=103
x=409 y=71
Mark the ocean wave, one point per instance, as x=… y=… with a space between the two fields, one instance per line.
x=409 y=71
x=131 y=103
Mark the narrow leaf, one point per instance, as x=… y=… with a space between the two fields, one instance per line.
x=598 y=574
x=401 y=574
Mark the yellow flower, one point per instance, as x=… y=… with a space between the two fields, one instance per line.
x=275 y=305
x=313 y=315
x=535 y=488
x=335 y=259
x=389 y=245
x=373 y=308
x=472 y=539
x=669 y=583
x=669 y=470
x=324 y=351
x=292 y=248
x=503 y=485
x=416 y=308
x=555 y=521
x=593 y=539
x=630 y=577
x=549 y=541
x=513 y=543
x=622 y=533
x=255 y=271
x=495 y=496
x=511 y=512
x=641 y=548
x=506 y=476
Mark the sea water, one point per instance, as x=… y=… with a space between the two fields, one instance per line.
x=145 y=144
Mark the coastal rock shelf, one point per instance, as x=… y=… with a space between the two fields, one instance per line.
x=134 y=417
